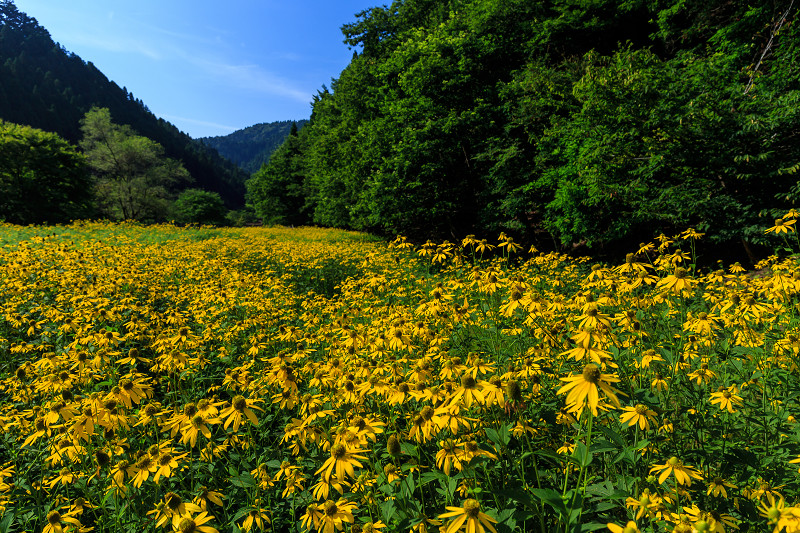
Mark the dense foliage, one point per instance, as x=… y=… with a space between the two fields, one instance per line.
x=42 y=177
x=44 y=86
x=276 y=191
x=267 y=379
x=135 y=181
x=196 y=206
x=560 y=121
x=251 y=147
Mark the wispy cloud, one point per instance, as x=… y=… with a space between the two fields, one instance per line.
x=254 y=78
x=117 y=44
x=203 y=123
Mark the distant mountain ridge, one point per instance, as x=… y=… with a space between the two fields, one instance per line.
x=45 y=86
x=252 y=147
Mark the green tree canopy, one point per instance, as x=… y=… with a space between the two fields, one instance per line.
x=562 y=122
x=276 y=191
x=134 y=178
x=196 y=206
x=42 y=177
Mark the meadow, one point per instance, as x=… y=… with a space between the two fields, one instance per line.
x=157 y=378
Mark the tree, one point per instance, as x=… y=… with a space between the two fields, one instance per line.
x=276 y=192
x=42 y=177
x=196 y=206
x=134 y=178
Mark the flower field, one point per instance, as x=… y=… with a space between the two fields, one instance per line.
x=200 y=380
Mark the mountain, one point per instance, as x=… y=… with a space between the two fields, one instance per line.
x=45 y=86
x=251 y=147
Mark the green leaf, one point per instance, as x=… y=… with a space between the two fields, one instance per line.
x=596 y=526
x=427 y=477
x=614 y=437
x=582 y=454
x=5 y=523
x=388 y=510
x=551 y=498
x=243 y=480
x=602 y=446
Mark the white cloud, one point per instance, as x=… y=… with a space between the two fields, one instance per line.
x=254 y=78
x=118 y=44
x=178 y=120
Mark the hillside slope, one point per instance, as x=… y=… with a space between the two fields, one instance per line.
x=251 y=147
x=45 y=86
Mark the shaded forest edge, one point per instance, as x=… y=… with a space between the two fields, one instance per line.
x=576 y=128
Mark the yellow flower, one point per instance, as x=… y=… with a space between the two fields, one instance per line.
x=771 y=508
x=447 y=456
x=736 y=268
x=342 y=461
x=187 y=524
x=639 y=414
x=144 y=467
x=256 y=517
x=630 y=527
x=582 y=388
x=166 y=463
x=206 y=496
x=240 y=406
x=677 y=281
x=717 y=487
x=372 y=527
x=691 y=233
x=312 y=517
x=712 y=522
x=64 y=477
x=782 y=226
x=726 y=398
x=54 y=520
x=683 y=473
x=469 y=517
x=334 y=514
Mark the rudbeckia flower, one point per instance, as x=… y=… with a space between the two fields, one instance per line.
x=468 y=517
x=683 y=473
x=582 y=389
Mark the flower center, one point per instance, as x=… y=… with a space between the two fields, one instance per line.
x=173 y=501
x=591 y=373
x=330 y=508
x=187 y=525
x=472 y=508
x=239 y=403
x=338 y=451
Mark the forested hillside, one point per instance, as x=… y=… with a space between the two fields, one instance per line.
x=560 y=122
x=45 y=86
x=251 y=147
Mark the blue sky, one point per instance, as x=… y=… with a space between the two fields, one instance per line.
x=209 y=67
